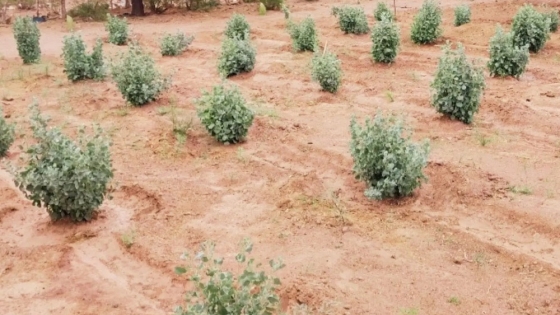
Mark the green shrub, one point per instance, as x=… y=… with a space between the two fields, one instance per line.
x=304 y=35
x=505 y=58
x=238 y=27
x=78 y=65
x=137 y=78
x=553 y=16
x=237 y=56
x=426 y=25
x=457 y=86
x=385 y=158
x=70 y=179
x=351 y=20
x=118 y=30
x=286 y=11
x=217 y=291
x=272 y=4
x=27 y=37
x=462 y=15
x=224 y=113
x=530 y=28
x=386 y=40
x=175 y=44
x=326 y=69
x=7 y=135
x=382 y=9
x=90 y=11
x=262 y=9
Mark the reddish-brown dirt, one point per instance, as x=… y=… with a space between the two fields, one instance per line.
x=467 y=241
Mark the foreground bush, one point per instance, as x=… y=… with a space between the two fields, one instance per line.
x=457 y=86
x=175 y=44
x=552 y=15
x=386 y=40
x=90 y=11
x=530 y=28
x=304 y=35
x=27 y=37
x=137 y=78
x=382 y=9
x=118 y=30
x=326 y=70
x=237 y=56
x=237 y=27
x=7 y=135
x=224 y=113
x=462 y=15
x=70 y=179
x=506 y=59
x=78 y=65
x=351 y=20
x=385 y=158
x=426 y=25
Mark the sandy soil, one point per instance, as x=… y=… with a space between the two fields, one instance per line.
x=467 y=242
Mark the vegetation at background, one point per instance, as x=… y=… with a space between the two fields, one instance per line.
x=351 y=20
x=237 y=27
x=326 y=70
x=382 y=9
x=506 y=59
x=90 y=11
x=531 y=28
x=462 y=15
x=426 y=26
x=118 y=29
x=175 y=44
x=26 y=34
x=7 y=135
x=304 y=35
x=78 y=65
x=272 y=4
x=386 y=40
x=553 y=16
x=237 y=56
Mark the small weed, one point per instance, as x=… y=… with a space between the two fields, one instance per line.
x=480 y=259
x=164 y=110
x=241 y=155
x=389 y=96
x=522 y=190
x=454 y=300
x=122 y=111
x=482 y=139
x=181 y=126
x=409 y=311
x=128 y=238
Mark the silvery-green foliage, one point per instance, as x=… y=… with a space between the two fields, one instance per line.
x=238 y=27
x=70 y=179
x=382 y=9
x=27 y=37
x=426 y=27
x=385 y=158
x=530 y=28
x=220 y=292
x=552 y=15
x=118 y=30
x=506 y=59
x=352 y=20
x=238 y=55
x=326 y=69
x=78 y=65
x=462 y=15
x=304 y=35
x=386 y=40
x=7 y=135
x=175 y=44
x=457 y=86
x=137 y=78
x=224 y=113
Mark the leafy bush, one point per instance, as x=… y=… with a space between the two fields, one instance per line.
x=304 y=35
x=220 y=292
x=386 y=40
x=382 y=9
x=385 y=158
x=27 y=37
x=77 y=64
x=326 y=69
x=462 y=15
x=505 y=58
x=272 y=4
x=351 y=20
x=70 y=179
x=7 y=135
x=224 y=113
x=137 y=78
x=237 y=56
x=90 y=11
x=118 y=30
x=553 y=16
x=174 y=45
x=426 y=25
x=530 y=28
x=457 y=85
x=238 y=27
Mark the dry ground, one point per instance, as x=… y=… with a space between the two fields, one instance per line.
x=481 y=237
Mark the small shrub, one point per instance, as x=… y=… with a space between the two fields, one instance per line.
x=553 y=16
x=27 y=37
x=304 y=35
x=262 y=9
x=217 y=291
x=78 y=65
x=272 y=4
x=90 y=11
x=530 y=28
x=175 y=44
x=118 y=30
x=457 y=86
x=505 y=58
x=237 y=56
x=351 y=20
x=238 y=27
x=70 y=179
x=326 y=69
x=426 y=25
x=385 y=159
x=462 y=15
x=382 y=9
x=137 y=78
x=7 y=135
x=386 y=40
x=286 y=11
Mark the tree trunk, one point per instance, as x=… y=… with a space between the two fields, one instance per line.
x=63 y=9
x=137 y=8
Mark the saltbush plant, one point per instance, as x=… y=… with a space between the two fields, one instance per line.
x=175 y=44
x=224 y=113
x=237 y=27
x=137 y=78
x=7 y=135
x=27 y=37
x=90 y=11
x=506 y=59
x=118 y=29
x=78 y=65
x=530 y=28
x=327 y=71
x=304 y=35
x=351 y=20
x=382 y=9
x=426 y=27
x=70 y=179
x=462 y=15
x=385 y=158
x=386 y=40
x=237 y=56
x=553 y=16
x=457 y=86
